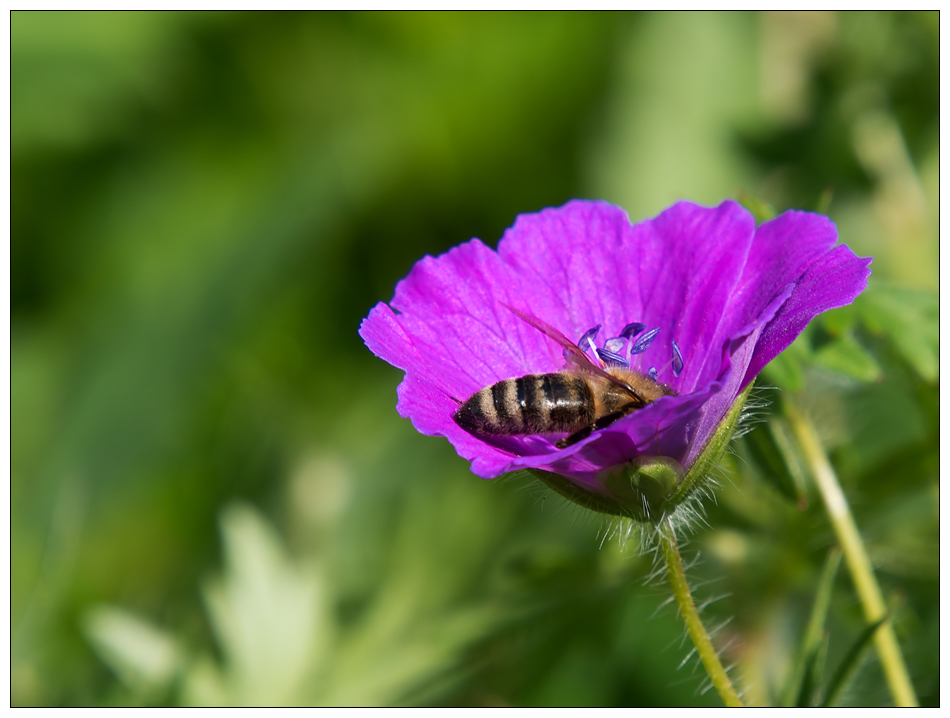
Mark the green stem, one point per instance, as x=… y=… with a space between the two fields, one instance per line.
x=697 y=632
x=856 y=557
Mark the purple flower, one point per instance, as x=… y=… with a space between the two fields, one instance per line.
x=725 y=296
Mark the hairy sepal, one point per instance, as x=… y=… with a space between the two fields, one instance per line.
x=648 y=489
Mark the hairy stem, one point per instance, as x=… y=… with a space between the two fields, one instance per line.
x=697 y=632
x=856 y=557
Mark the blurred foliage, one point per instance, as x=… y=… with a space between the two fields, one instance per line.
x=204 y=206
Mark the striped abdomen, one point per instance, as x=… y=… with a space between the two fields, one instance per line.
x=533 y=404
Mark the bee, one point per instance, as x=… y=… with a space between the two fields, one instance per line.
x=578 y=400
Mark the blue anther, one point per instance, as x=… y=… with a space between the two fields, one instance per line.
x=612 y=359
x=641 y=344
x=677 y=360
x=652 y=373
x=631 y=330
x=587 y=341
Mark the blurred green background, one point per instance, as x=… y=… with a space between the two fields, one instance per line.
x=213 y=500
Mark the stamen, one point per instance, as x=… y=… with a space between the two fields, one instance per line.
x=652 y=373
x=612 y=359
x=641 y=344
x=615 y=345
x=587 y=341
x=631 y=330
x=677 y=360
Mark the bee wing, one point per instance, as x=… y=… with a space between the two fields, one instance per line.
x=572 y=352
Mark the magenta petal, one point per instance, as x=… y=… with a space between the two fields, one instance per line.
x=452 y=309
x=737 y=354
x=835 y=280
x=568 y=261
x=783 y=250
x=687 y=262
x=425 y=395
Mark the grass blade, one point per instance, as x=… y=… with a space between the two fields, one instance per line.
x=812 y=640
x=850 y=664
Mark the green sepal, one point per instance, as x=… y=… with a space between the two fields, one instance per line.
x=712 y=453
x=644 y=484
x=572 y=492
x=649 y=488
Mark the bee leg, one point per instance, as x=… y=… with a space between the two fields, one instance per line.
x=601 y=423
x=609 y=419
x=575 y=437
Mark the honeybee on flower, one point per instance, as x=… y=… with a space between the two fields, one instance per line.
x=583 y=398
x=722 y=298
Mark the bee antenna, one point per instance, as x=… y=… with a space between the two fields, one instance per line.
x=457 y=401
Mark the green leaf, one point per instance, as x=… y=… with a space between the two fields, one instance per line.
x=785 y=370
x=910 y=319
x=144 y=657
x=845 y=355
x=770 y=449
x=269 y=615
x=839 y=320
x=802 y=680
x=850 y=664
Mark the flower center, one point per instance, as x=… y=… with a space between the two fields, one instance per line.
x=632 y=341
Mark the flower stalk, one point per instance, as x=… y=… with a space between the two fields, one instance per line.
x=856 y=558
x=697 y=632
